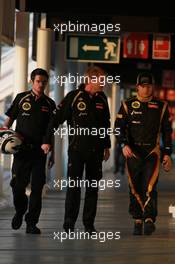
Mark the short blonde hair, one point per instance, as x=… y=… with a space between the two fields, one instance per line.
x=94 y=71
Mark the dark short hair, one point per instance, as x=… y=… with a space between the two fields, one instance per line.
x=39 y=71
x=145 y=78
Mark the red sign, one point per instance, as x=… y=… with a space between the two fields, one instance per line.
x=161 y=46
x=170 y=95
x=135 y=45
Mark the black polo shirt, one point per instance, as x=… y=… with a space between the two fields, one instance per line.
x=32 y=115
x=86 y=112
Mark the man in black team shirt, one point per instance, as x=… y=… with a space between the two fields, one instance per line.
x=141 y=120
x=31 y=110
x=86 y=108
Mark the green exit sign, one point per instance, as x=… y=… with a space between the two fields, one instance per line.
x=90 y=48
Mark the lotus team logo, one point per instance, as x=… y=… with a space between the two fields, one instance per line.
x=135 y=104
x=26 y=106
x=81 y=106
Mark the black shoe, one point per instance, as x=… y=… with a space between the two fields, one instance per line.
x=149 y=227
x=17 y=221
x=138 y=227
x=90 y=230
x=33 y=229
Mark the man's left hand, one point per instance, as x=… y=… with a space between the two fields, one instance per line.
x=46 y=148
x=106 y=154
x=167 y=163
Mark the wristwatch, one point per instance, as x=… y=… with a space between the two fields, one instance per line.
x=122 y=145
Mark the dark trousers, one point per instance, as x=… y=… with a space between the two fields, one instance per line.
x=143 y=178
x=28 y=167
x=77 y=161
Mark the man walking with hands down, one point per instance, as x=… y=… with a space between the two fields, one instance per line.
x=141 y=120
x=85 y=109
x=32 y=111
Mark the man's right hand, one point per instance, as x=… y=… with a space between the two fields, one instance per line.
x=127 y=152
x=46 y=148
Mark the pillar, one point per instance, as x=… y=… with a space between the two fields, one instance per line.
x=44 y=40
x=21 y=52
x=60 y=69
